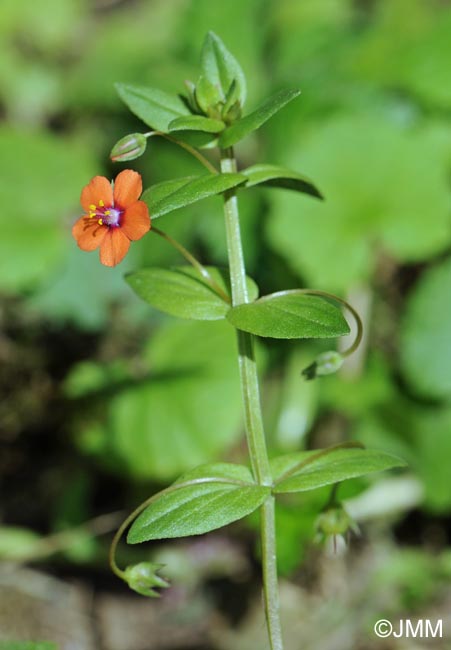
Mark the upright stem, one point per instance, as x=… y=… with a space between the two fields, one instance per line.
x=270 y=582
x=252 y=407
x=248 y=368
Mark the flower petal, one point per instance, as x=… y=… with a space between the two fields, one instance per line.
x=135 y=221
x=88 y=234
x=114 y=247
x=98 y=189
x=127 y=188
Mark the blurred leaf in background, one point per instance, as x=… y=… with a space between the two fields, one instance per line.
x=41 y=178
x=186 y=413
x=379 y=183
x=405 y=44
x=35 y=53
x=425 y=346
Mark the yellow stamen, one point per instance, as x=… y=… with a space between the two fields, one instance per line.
x=107 y=213
x=101 y=203
x=92 y=214
x=100 y=222
x=92 y=207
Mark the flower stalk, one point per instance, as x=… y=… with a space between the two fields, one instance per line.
x=195 y=263
x=184 y=145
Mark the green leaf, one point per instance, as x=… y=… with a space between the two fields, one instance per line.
x=241 y=128
x=183 y=292
x=160 y=191
x=196 y=123
x=426 y=334
x=153 y=106
x=219 y=70
x=289 y=315
x=173 y=195
x=274 y=176
x=218 y=495
x=324 y=467
x=227 y=471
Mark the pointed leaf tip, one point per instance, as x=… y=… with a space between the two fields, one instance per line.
x=253 y=121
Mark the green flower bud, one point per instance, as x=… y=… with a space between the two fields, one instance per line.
x=143 y=577
x=334 y=523
x=191 y=97
x=208 y=97
x=325 y=364
x=129 y=147
x=233 y=114
x=231 y=110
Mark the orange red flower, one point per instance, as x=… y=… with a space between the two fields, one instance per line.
x=114 y=216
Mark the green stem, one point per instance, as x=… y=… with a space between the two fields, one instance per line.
x=191 y=150
x=252 y=407
x=270 y=582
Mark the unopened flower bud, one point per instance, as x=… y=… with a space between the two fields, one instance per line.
x=231 y=110
x=129 y=147
x=233 y=114
x=325 y=364
x=143 y=578
x=333 y=526
x=191 y=96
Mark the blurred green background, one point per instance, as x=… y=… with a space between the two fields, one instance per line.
x=105 y=400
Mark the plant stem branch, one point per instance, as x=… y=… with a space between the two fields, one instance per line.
x=252 y=407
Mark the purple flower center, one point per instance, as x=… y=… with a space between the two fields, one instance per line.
x=106 y=216
x=112 y=217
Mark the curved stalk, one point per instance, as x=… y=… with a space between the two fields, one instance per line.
x=195 y=263
x=252 y=408
x=330 y=296
x=191 y=150
x=358 y=321
x=137 y=511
